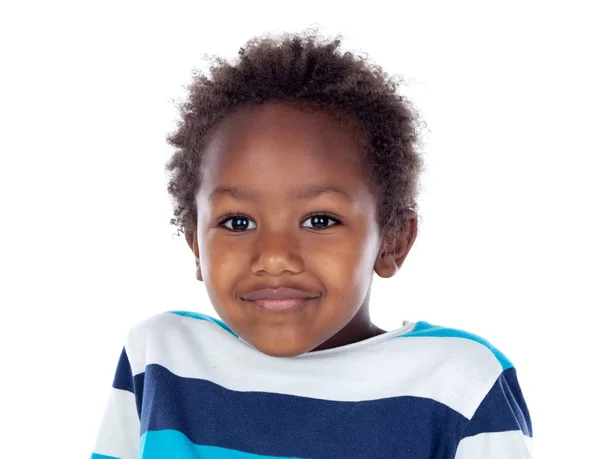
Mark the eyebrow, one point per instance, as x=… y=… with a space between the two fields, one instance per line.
x=234 y=192
x=243 y=194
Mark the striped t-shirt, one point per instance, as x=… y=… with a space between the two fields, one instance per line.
x=188 y=387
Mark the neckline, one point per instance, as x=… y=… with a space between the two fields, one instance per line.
x=406 y=327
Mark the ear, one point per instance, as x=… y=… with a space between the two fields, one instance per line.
x=393 y=251
x=192 y=239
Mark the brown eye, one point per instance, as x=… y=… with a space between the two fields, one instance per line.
x=319 y=222
x=238 y=223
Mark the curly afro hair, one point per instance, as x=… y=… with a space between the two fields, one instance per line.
x=303 y=69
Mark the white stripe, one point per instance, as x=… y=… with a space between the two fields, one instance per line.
x=454 y=371
x=496 y=445
x=120 y=429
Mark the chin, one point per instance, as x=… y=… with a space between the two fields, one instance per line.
x=275 y=350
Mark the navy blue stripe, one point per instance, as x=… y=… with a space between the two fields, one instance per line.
x=125 y=380
x=292 y=426
x=123 y=377
x=502 y=409
x=138 y=384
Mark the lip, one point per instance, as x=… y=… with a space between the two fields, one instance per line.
x=279 y=299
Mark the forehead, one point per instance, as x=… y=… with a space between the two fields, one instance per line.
x=278 y=147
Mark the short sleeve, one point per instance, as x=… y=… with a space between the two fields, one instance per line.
x=501 y=426
x=119 y=434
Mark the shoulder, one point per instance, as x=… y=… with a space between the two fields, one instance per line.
x=164 y=332
x=470 y=344
x=174 y=321
x=467 y=365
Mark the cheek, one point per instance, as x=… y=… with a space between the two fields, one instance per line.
x=345 y=269
x=222 y=262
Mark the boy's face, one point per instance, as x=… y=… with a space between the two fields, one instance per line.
x=284 y=204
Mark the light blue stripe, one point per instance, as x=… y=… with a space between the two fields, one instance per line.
x=200 y=316
x=427 y=329
x=102 y=456
x=160 y=444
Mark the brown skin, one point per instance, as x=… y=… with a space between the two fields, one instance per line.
x=274 y=152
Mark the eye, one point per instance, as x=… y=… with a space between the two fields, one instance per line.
x=237 y=223
x=320 y=221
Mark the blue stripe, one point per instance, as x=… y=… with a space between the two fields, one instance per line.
x=138 y=384
x=272 y=424
x=427 y=329
x=200 y=316
x=123 y=377
x=170 y=443
x=125 y=380
x=102 y=456
x=502 y=409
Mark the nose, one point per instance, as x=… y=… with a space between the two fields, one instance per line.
x=277 y=254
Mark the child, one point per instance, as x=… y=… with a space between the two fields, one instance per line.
x=294 y=178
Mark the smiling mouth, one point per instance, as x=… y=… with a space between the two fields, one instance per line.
x=283 y=304
x=279 y=299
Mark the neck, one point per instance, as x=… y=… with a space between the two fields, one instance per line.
x=358 y=329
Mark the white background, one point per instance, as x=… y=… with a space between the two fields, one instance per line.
x=508 y=243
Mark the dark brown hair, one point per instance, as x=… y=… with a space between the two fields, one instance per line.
x=310 y=71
